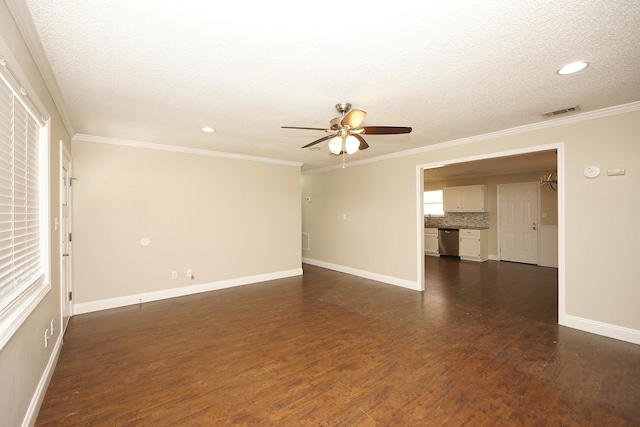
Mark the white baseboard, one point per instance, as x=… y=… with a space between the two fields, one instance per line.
x=105 y=304
x=365 y=274
x=600 y=328
x=587 y=325
x=36 y=401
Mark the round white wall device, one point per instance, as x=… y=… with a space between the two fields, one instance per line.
x=591 y=171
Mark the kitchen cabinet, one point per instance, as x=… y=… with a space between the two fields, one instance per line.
x=466 y=198
x=474 y=245
x=431 y=241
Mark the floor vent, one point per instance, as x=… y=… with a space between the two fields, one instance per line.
x=305 y=241
x=559 y=112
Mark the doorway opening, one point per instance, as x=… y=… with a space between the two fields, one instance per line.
x=462 y=171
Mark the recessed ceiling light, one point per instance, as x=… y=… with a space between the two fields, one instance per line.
x=208 y=129
x=574 y=67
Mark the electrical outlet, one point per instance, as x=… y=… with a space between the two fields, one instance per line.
x=51 y=329
x=190 y=273
x=46 y=338
x=174 y=274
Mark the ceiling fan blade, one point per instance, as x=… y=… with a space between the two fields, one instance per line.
x=353 y=118
x=385 y=130
x=318 y=141
x=363 y=143
x=296 y=127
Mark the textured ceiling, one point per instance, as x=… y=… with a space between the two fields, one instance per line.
x=540 y=161
x=157 y=71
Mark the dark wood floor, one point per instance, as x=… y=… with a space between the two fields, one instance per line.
x=480 y=347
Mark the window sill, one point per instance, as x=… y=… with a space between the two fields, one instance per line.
x=14 y=315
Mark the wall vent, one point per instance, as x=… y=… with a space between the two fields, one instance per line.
x=305 y=241
x=559 y=112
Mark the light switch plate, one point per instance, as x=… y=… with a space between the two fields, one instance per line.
x=615 y=171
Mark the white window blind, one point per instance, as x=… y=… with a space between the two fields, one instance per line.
x=21 y=264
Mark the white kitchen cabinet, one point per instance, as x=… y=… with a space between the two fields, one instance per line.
x=466 y=198
x=474 y=245
x=431 y=241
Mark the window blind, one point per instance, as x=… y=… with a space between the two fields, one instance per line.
x=21 y=263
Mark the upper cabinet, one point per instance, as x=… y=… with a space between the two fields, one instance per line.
x=467 y=198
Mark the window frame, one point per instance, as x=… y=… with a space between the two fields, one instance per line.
x=15 y=312
x=431 y=203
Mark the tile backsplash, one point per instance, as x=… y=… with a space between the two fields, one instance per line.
x=459 y=220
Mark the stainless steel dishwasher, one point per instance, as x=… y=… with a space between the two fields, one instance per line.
x=448 y=241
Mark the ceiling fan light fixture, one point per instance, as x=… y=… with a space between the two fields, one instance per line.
x=351 y=144
x=345 y=132
x=335 y=145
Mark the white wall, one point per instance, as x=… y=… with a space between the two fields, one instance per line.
x=361 y=220
x=231 y=221
x=600 y=227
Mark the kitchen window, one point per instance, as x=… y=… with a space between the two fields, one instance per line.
x=433 y=204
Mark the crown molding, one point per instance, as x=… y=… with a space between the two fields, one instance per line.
x=177 y=149
x=575 y=118
x=24 y=21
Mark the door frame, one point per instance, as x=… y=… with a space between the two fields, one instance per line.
x=419 y=226
x=66 y=271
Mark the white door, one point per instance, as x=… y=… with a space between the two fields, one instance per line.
x=518 y=224
x=65 y=236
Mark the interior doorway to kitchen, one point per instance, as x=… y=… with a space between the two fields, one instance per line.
x=456 y=171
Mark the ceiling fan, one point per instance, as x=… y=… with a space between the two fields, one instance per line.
x=346 y=132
